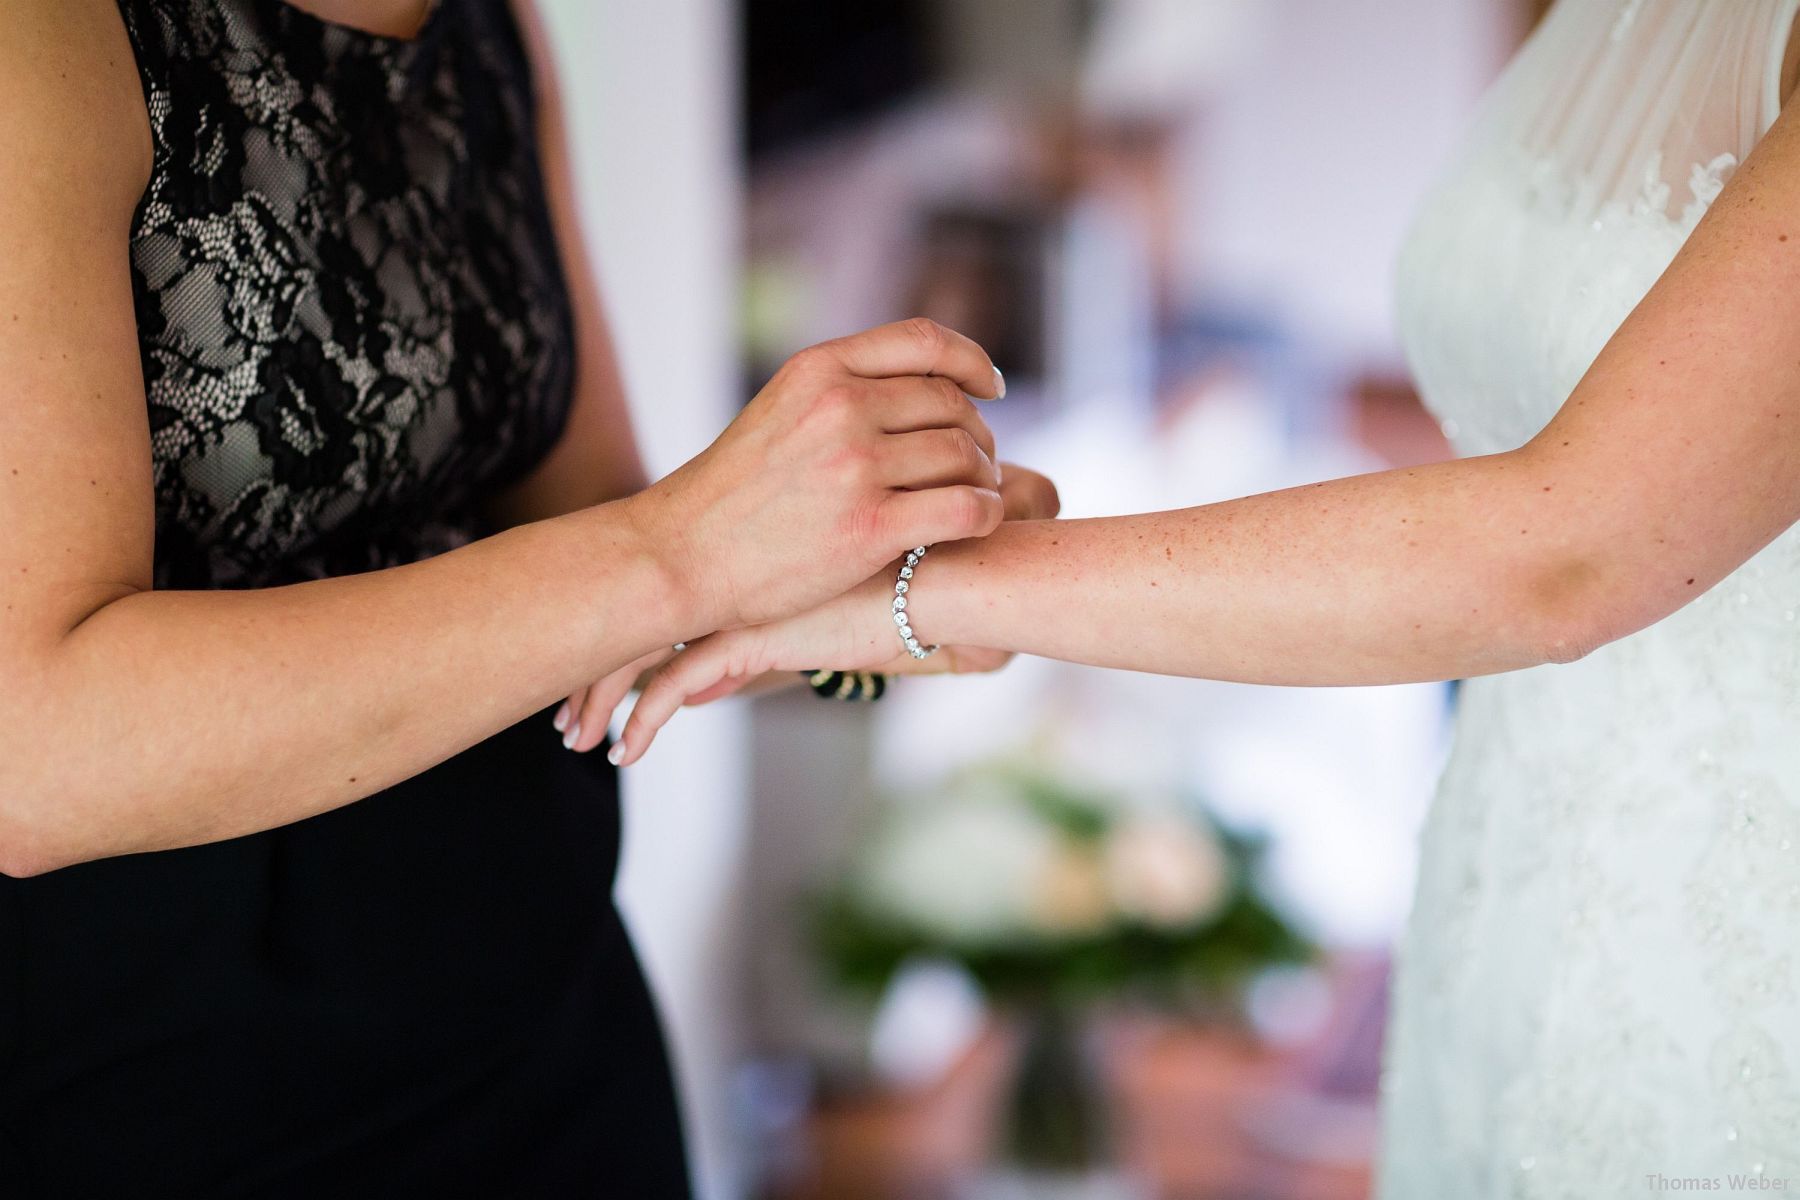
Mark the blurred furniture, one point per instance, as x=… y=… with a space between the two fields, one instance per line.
x=1190 y=1104
x=1388 y=419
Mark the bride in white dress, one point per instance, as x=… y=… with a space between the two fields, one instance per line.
x=1600 y=985
x=1599 y=992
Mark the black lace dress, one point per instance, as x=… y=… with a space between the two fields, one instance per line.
x=353 y=328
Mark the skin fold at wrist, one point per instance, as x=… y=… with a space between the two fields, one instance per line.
x=680 y=579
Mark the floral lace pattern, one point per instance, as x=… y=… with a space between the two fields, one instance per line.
x=1600 y=983
x=352 y=314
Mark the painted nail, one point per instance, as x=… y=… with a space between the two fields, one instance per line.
x=562 y=717
x=999 y=385
x=616 y=754
x=574 y=734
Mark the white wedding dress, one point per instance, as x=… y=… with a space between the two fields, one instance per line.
x=1600 y=983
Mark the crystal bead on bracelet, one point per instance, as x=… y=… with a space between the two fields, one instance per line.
x=903 y=585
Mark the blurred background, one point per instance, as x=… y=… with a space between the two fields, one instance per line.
x=1051 y=932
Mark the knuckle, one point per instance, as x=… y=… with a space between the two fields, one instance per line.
x=810 y=359
x=947 y=393
x=984 y=437
x=966 y=510
x=852 y=466
x=988 y=512
x=866 y=525
x=927 y=332
x=963 y=448
x=836 y=402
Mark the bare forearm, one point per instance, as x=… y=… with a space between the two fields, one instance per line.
x=175 y=718
x=1439 y=572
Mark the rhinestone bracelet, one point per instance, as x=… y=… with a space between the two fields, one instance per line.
x=902 y=586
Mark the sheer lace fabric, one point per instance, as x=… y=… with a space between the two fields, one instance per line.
x=349 y=299
x=1601 y=978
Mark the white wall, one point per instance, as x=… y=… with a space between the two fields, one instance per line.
x=650 y=87
x=1317 y=145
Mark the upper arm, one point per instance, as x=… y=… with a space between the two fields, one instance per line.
x=1678 y=455
x=596 y=458
x=76 y=504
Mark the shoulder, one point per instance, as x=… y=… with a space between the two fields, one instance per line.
x=74 y=130
x=532 y=40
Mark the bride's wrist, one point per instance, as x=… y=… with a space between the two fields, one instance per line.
x=930 y=595
x=963 y=591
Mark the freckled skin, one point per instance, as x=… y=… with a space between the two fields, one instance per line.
x=1672 y=450
x=582 y=580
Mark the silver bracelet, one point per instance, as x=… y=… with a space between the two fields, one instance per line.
x=903 y=585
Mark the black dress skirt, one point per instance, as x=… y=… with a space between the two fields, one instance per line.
x=354 y=330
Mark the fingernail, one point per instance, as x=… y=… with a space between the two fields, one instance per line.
x=616 y=753
x=562 y=717
x=570 y=738
x=999 y=385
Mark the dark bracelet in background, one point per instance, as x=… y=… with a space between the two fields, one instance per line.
x=847 y=685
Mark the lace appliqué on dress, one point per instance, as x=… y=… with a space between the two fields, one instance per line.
x=353 y=320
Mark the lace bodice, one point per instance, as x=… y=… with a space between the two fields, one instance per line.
x=352 y=317
x=1601 y=980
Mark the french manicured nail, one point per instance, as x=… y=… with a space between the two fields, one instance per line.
x=999 y=385
x=570 y=737
x=616 y=754
x=562 y=717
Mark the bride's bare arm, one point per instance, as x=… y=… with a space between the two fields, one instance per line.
x=135 y=719
x=1676 y=459
x=1430 y=573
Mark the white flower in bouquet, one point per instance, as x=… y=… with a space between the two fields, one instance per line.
x=965 y=868
x=1165 y=871
x=1071 y=897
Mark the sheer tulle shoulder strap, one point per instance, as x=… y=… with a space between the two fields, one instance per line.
x=1781 y=36
x=1648 y=105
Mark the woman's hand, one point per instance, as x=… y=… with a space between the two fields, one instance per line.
x=851 y=633
x=856 y=449
x=854 y=632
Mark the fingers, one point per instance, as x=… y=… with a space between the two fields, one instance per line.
x=1028 y=496
x=945 y=514
x=731 y=685
x=927 y=402
x=917 y=347
x=702 y=667
x=565 y=716
x=585 y=717
x=603 y=699
x=935 y=458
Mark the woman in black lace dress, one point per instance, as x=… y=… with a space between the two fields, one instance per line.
x=316 y=496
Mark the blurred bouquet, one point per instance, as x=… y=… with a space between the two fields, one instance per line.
x=1052 y=891
x=1057 y=894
